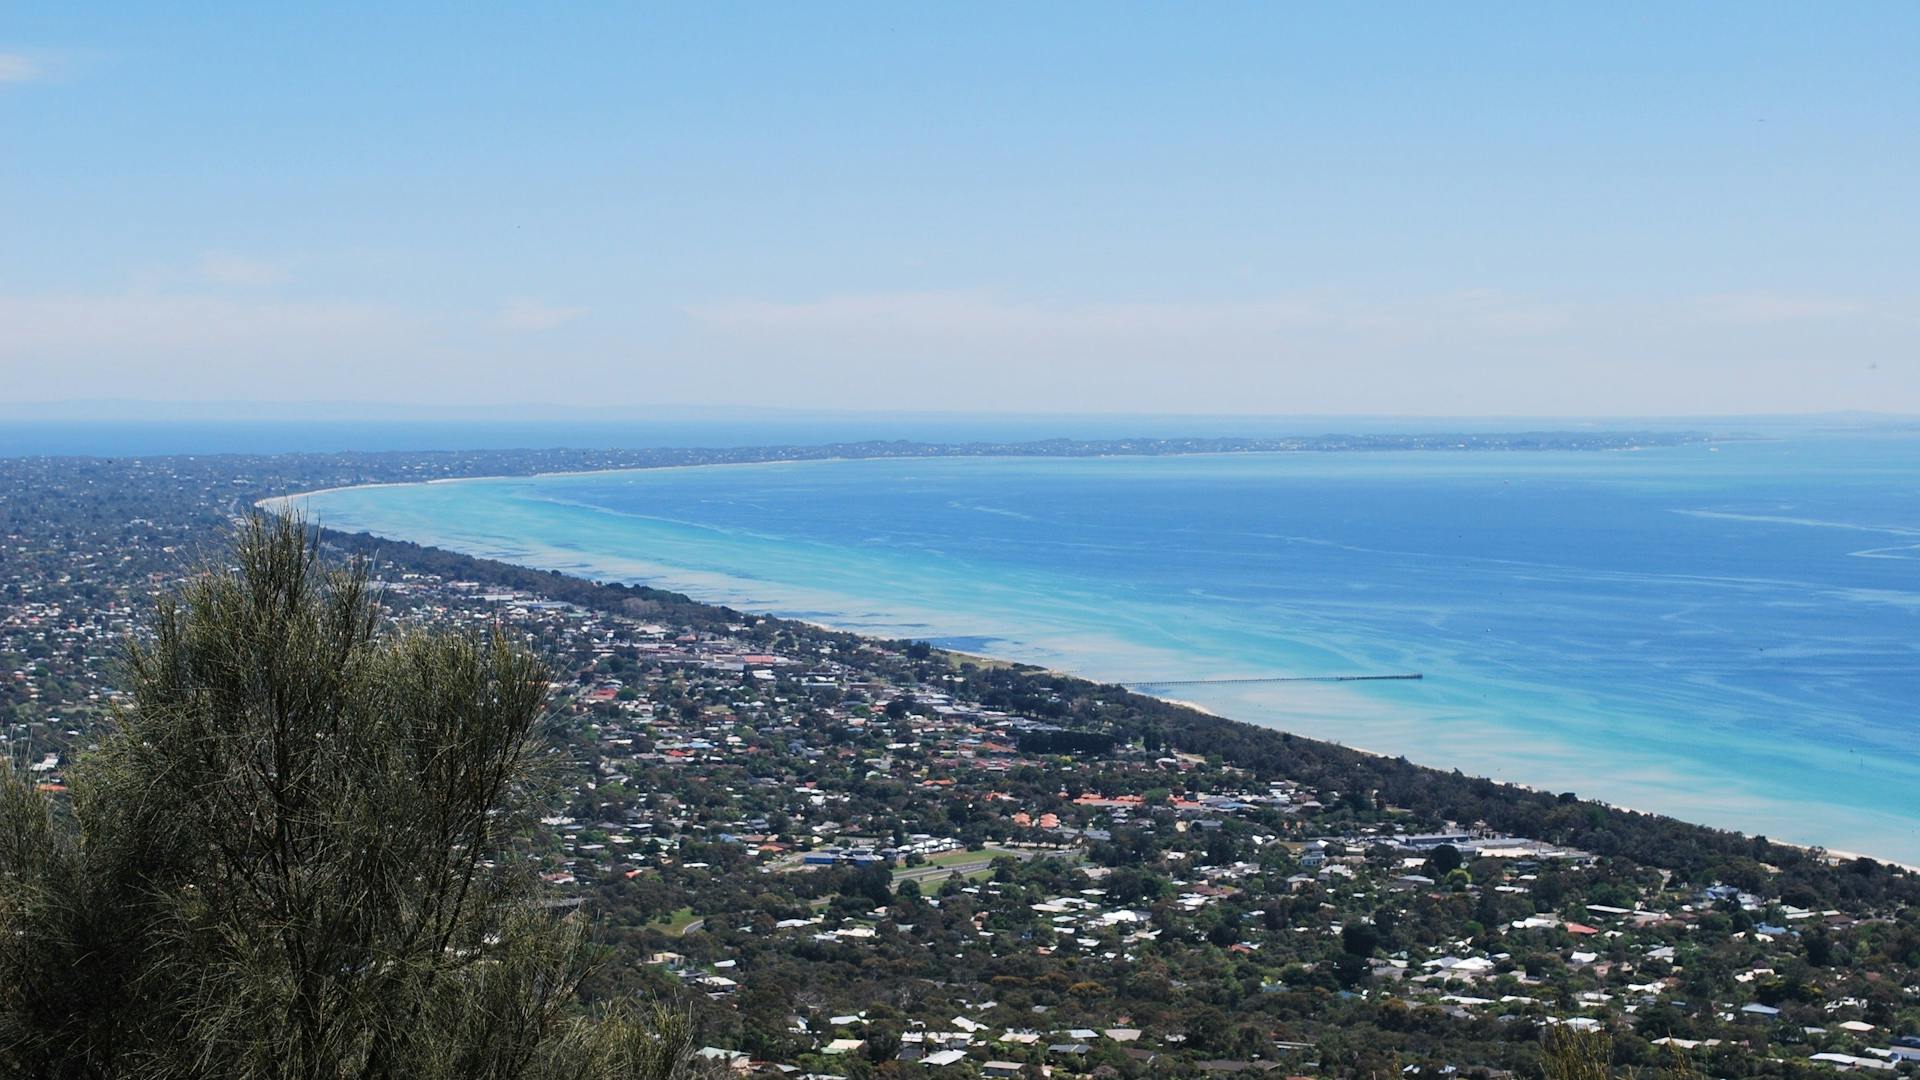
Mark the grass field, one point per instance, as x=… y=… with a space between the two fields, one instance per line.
x=677 y=921
x=951 y=858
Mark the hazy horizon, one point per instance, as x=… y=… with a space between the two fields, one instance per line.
x=255 y=429
x=85 y=410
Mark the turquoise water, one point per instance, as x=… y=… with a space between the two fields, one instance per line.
x=1730 y=634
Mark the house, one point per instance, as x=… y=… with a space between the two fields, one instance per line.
x=944 y=1057
x=1002 y=1068
x=1429 y=841
x=1856 y=1026
x=731 y=1059
x=1850 y=1062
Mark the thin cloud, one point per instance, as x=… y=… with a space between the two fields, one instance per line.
x=1777 y=307
x=227 y=268
x=943 y=315
x=17 y=67
x=962 y=315
x=532 y=316
x=1460 y=352
x=68 y=326
x=1475 y=314
x=216 y=346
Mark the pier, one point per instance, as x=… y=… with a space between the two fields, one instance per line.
x=1276 y=679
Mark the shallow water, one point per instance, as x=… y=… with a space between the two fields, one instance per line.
x=1730 y=634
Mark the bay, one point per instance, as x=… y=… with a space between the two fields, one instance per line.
x=1729 y=633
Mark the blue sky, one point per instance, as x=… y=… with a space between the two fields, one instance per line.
x=1390 y=209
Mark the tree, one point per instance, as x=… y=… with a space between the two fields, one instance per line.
x=1569 y=1053
x=871 y=882
x=1359 y=938
x=298 y=855
x=1443 y=860
x=1351 y=969
x=1678 y=1066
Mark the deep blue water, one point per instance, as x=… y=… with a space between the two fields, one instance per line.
x=1730 y=634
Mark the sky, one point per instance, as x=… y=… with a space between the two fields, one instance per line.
x=1386 y=209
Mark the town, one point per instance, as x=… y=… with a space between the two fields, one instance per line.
x=854 y=858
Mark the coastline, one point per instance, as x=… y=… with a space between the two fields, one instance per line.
x=1692 y=439
x=285 y=503
x=261 y=503
x=1832 y=853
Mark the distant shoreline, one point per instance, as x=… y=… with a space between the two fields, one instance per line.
x=262 y=503
x=1461 y=442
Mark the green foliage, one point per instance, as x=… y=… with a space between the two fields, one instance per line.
x=1360 y=938
x=1443 y=860
x=298 y=856
x=1568 y=1053
x=1678 y=1066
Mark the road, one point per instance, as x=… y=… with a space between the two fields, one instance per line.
x=922 y=873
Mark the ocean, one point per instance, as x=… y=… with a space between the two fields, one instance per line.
x=1728 y=633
